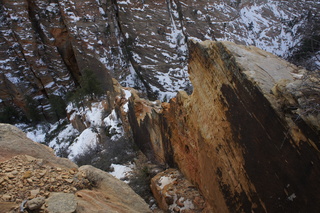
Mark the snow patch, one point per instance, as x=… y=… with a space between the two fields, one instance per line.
x=165 y=180
x=86 y=140
x=114 y=126
x=121 y=171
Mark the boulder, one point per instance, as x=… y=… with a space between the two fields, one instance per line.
x=61 y=202
x=175 y=193
x=108 y=195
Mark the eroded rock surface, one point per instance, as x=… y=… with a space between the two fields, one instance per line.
x=238 y=137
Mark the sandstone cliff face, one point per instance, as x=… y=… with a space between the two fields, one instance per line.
x=45 y=45
x=33 y=178
x=234 y=137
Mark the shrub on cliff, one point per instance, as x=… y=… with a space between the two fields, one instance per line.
x=103 y=155
x=33 y=113
x=58 y=106
x=10 y=114
x=90 y=87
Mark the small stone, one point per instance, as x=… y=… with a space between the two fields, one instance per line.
x=41 y=174
x=29 y=158
x=69 y=180
x=27 y=174
x=35 y=203
x=2 y=180
x=176 y=209
x=6 y=197
x=15 y=172
x=8 y=169
x=34 y=193
x=40 y=162
x=29 y=180
x=180 y=202
x=59 y=169
x=10 y=176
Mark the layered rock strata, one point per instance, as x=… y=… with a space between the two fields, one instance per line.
x=239 y=137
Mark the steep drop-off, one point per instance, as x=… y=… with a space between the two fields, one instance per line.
x=239 y=137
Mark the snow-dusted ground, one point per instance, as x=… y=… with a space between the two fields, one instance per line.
x=62 y=136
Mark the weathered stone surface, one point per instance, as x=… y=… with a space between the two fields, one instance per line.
x=62 y=202
x=110 y=194
x=14 y=142
x=234 y=137
x=176 y=194
x=35 y=203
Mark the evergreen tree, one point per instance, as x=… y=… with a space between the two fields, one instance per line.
x=90 y=84
x=89 y=87
x=58 y=106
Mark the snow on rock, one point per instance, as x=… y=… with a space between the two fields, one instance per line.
x=64 y=138
x=114 y=126
x=128 y=94
x=37 y=134
x=166 y=180
x=121 y=171
x=175 y=193
x=94 y=115
x=86 y=140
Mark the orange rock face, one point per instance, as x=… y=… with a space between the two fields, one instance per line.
x=231 y=137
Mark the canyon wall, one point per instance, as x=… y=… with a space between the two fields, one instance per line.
x=239 y=136
x=46 y=45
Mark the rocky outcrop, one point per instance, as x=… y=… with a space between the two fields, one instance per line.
x=33 y=179
x=239 y=137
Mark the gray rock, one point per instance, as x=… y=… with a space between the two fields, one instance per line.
x=35 y=203
x=62 y=203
